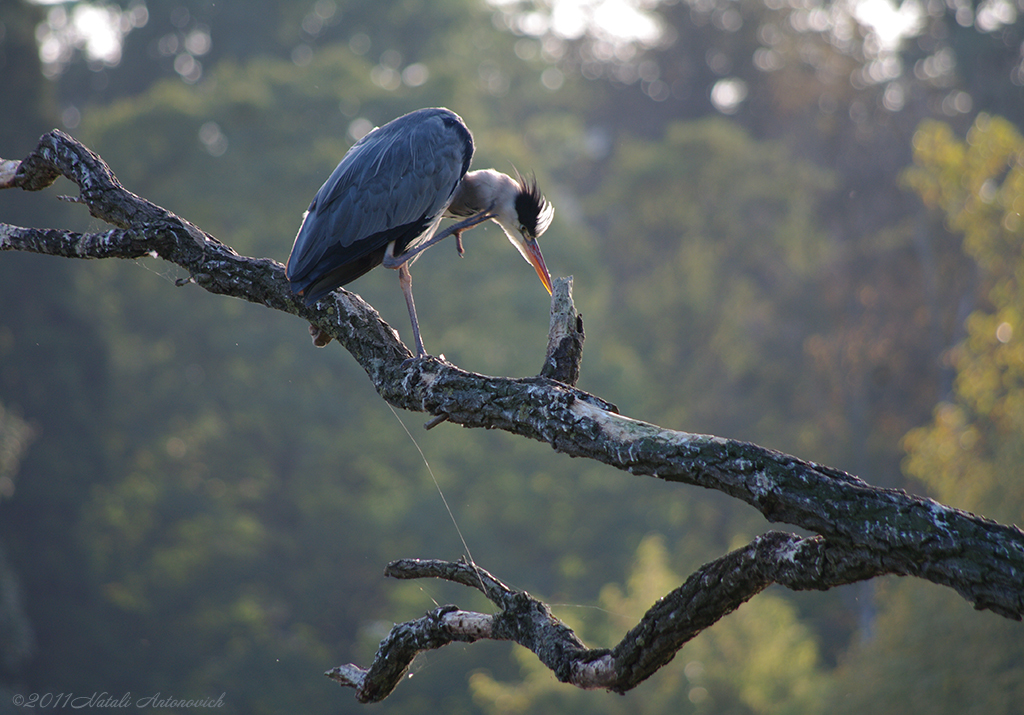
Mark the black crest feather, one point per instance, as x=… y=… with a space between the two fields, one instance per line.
x=533 y=210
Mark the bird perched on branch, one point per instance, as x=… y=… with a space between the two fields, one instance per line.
x=385 y=200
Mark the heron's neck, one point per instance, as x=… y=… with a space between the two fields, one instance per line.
x=479 y=190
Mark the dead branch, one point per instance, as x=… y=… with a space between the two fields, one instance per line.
x=712 y=592
x=864 y=531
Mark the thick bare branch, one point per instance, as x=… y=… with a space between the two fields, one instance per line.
x=865 y=530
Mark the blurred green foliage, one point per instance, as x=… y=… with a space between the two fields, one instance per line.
x=925 y=653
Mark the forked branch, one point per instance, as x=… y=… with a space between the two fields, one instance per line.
x=864 y=531
x=712 y=592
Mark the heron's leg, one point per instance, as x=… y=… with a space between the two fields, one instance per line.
x=405 y=280
x=393 y=261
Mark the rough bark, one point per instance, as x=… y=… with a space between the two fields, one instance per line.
x=863 y=531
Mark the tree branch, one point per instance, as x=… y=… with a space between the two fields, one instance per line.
x=712 y=592
x=863 y=531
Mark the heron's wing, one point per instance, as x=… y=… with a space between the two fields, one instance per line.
x=392 y=185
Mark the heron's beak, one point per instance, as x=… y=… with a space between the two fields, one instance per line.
x=533 y=255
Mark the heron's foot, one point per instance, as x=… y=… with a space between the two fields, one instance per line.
x=320 y=338
x=458 y=244
x=425 y=357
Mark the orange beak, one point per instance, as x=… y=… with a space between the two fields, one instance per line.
x=533 y=255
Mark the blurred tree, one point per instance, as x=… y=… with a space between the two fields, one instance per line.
x=971 y=454
x=19 y=81
x=908 y=664
x=16 y=634
x=53 y=478
x=714 y=250
x=146 y=41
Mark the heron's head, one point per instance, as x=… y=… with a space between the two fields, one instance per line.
x=524 y=214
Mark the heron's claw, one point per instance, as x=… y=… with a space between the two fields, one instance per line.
x=424 y=358
x=458 y=244
x=409 y=362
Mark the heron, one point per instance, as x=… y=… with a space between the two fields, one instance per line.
x=384 y=202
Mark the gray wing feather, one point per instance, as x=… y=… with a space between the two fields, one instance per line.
x=398 y=174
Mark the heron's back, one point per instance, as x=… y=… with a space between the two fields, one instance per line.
x=393 y=185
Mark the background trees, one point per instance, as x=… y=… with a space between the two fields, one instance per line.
x=973 y=436
x=183 y=516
